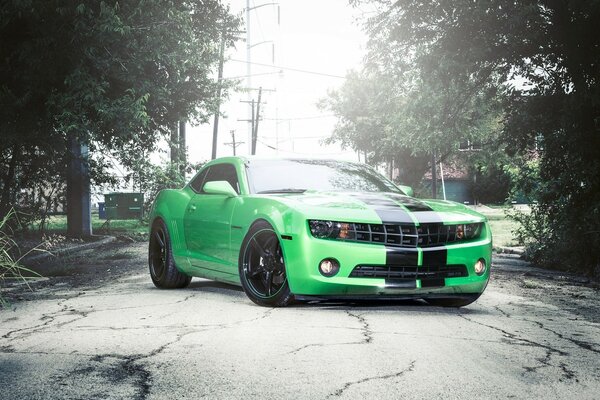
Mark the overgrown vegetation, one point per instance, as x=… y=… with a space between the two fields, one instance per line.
x=10 y=257
x=112 y=76
x=523 y=73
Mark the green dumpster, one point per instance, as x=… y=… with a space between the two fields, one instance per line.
x=124 y=205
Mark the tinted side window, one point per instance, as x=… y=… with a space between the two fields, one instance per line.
x=223 y=172
x=198 y=181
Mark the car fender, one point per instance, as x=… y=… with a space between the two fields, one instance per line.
x=170 y=205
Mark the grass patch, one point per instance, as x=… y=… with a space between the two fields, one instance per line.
x=58 y=224
x=10 y=267
x=502 y=230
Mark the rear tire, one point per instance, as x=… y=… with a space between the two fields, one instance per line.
x=163 y=271
x=262 y=267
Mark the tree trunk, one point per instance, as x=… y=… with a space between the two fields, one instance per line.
x=79 y=221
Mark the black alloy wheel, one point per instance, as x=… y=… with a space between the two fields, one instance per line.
x=262 y=267
x=163 y=271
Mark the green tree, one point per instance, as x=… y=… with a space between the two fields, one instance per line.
x=114 y=75
x=366 y=108
x=544 y=58
x=394 y=111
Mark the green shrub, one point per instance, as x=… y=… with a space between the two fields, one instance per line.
x=10 y=257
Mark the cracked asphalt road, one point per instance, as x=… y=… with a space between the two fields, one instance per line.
x=102 y=331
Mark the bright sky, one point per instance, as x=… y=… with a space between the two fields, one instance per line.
x=317 y=36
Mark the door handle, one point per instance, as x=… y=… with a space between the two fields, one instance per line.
x=192 y=208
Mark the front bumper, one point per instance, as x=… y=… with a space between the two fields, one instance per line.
x=303 y=254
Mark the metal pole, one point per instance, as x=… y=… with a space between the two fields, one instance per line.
x=443 y=184
x=252 y=146
x=249 y=72
x=220 y=79
x=433 y=176
x=233 y=141
x=256 y=120
x=182 y=149
x=174 y=145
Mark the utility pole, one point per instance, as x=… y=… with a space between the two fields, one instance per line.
x=433 y=176
x=249 y=66
x=174 y=145
x=255 y=130
x=233 y=143
x=249 y=46
x=219 y=85
x=254 y=118
x=182 y=159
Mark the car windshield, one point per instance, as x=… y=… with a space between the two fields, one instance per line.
x=296 y=176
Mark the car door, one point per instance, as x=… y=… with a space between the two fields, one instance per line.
x=207 y=221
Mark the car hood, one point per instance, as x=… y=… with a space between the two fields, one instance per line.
x=375 y=207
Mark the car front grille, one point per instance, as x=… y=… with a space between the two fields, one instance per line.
x=404 y=235
x=409 y=272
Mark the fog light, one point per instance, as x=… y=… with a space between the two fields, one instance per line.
x=329 y=267
x=480 y=266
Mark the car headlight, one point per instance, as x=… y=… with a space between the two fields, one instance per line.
x=468 y=231
x=331 y=229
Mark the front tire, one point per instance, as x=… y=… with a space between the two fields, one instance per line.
x=262 y=267
x=163 y=271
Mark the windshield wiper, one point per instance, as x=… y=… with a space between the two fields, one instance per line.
x=290 y=190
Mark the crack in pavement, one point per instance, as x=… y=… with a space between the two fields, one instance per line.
x=514 y=337
x=501 y=311
x=135 y=366
x=347 y=385
x=306 y=346
x=49 y=318
x=366 y=329
x=544 y=362
x=580 y=343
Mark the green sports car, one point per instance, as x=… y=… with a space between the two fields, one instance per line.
x=300 y=229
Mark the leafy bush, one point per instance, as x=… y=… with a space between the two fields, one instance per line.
x=10 y=258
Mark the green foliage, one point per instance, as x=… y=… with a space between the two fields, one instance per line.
x=10 y=267
x=152 y=178
x=114 y=75
x=543 y=59
x=489 y=170
x=400 y=108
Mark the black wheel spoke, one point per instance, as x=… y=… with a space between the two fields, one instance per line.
x=268 y=281
x=255 y=271
x=258 y=247
x=161 y=242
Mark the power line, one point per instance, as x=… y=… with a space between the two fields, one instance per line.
x=304 y=71
x=245 y=76
x=300 y=118
x=305 y=153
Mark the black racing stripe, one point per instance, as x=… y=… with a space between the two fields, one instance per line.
x=388 y=210
x=435 y=256
x=422 y=212
x=411 y=203
x=404 y=257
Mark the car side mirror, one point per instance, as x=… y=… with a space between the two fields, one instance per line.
x=220 y=187
x=407 y=190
